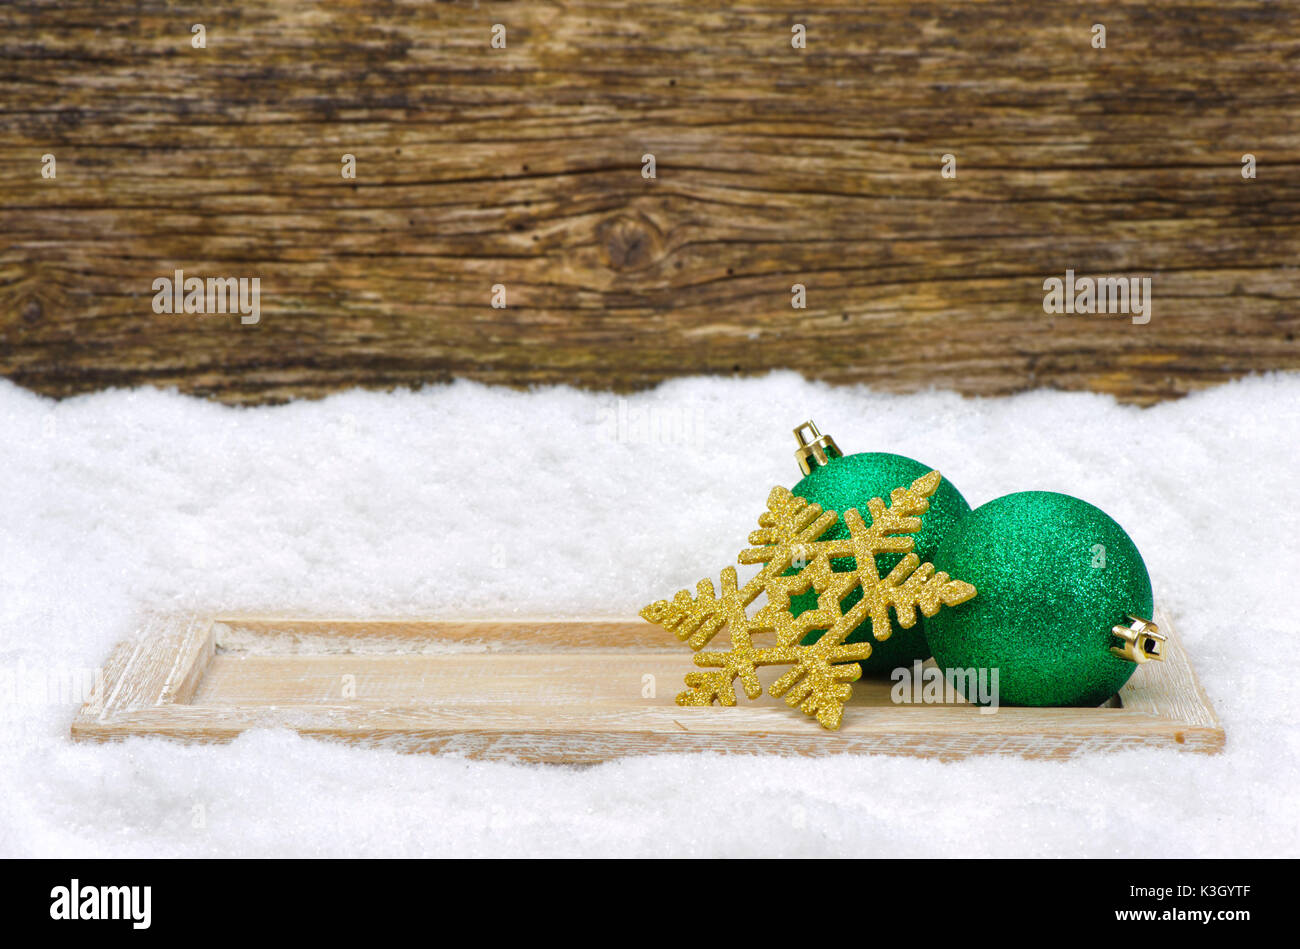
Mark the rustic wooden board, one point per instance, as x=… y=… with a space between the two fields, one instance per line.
x=522 y=166
x=563 y=691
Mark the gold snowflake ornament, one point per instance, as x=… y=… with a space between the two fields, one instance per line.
x=788 y=537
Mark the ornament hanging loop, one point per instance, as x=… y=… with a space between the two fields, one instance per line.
x=813 y=447
x=1143 y=641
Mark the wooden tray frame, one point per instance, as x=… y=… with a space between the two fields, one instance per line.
x=154 y=685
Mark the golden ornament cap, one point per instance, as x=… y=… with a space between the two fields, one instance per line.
x=1143 y=641
x=813 y=445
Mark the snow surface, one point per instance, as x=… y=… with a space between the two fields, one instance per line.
x=473 y=500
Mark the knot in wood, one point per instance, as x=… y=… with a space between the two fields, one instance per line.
x=629 y=242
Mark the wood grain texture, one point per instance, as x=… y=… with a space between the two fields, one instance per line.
x=158 y=666
x=521 y=166
x=567 y=692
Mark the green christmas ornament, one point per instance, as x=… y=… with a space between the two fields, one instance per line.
x=838 y=482
x=1062 y=590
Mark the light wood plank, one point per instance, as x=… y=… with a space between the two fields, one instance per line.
x=565 y=691
x=159 y=665
x=1169 y=689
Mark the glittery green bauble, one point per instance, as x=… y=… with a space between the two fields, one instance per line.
x=1054 y=574
x=850 y=482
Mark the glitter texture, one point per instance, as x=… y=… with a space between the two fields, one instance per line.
x=1054 y=575
x=789 y=533
x=848 y=482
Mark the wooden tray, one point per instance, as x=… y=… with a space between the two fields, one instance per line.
x=564 y=691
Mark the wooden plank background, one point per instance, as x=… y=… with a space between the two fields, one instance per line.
x=522 y=166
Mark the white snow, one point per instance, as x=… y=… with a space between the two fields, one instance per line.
x=479 y=501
